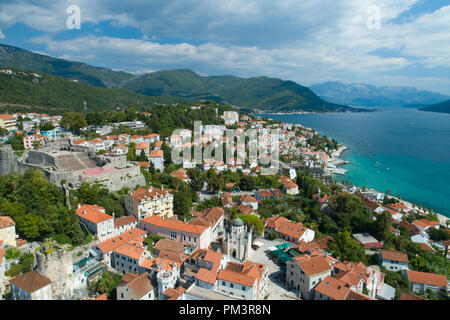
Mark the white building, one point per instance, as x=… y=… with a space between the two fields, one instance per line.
x=230 y=117
x=7 y=231
x=239 y=240
x=135 y=287
x=96 y=220
x=421 y=281
x=304 y=274
x=394 y=260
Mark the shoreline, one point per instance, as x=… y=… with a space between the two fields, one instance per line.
x=337 y=161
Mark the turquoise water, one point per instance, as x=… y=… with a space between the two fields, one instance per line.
x=403 y=150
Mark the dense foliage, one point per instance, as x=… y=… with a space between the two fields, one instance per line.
x=38 y=208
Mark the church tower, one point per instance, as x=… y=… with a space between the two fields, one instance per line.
x=239 y=240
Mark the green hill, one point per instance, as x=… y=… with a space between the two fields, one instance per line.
x=55 y=94
x=17 y=58
x=257 y=94
x=443 y=107
x=260 y=93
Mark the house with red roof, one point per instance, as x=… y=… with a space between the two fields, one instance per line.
x=288 y=230
x=249 y=201
x=136 y=287
x=421 y=281
x=247 y=281
x=145 y=202
x=304 y=273
x=105 y=249
x=96 y=220
x=28 y=140
x=194 y=234
x=394 y=260
x=156 y=156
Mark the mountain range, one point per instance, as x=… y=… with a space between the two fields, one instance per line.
x=254 y=94
x=360 y=94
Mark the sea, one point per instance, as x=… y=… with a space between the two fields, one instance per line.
x=403 y=150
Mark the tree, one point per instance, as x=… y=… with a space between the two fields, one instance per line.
x=46 y=126
x=36 y=144
x=347 y=249
x=247 y=183
x=382 y=226
x=252 y=221
x=272 y=235
x=182 y=203
x=73 y=121
x=142 y=157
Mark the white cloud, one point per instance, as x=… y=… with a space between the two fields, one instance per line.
x=306 y=41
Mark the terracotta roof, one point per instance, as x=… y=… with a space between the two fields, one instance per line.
x=333 y=288
x=176 y=257
x=156 y=153
x=406 y=296
x=289 y=184
x=113 y=243
x=314 y=265
x=433 y=279
x=424 y=223
x=353 y=295
x=154 y=263
x=248 y=199
x=2 y=253
x=180 y=174
x=130 y=251
x=118 y=222
x=143 y=193
x=142 y=145
x=426 y=247
x=169 y=244
x=394 y=255
x=324 y=242
x=93 y=214
x=214 y=258
x=412 y=229
x=174 y=294
x=206 y=275
x=140 y=285
x=245 y=209
x=286 y=227
x=31 y=281
x=174 y=225
x=6 y=117
x=6 y=221
x=101 y=297
x=235 y=277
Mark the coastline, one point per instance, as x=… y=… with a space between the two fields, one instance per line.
x=337 y=161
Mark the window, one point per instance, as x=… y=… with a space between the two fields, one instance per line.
x=231 y=285
x=223 y=283
x=243 y=288
x=173 y=235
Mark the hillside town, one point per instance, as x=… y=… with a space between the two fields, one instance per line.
x=153 y=229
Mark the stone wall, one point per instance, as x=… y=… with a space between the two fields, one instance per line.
x=58 y=266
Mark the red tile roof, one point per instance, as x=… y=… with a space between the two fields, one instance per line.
x=113 y=243
x=6 y=221
x=93 y=214
x=31 y=281
x=433 y=279
x=333 y=288
x=206 y=275
x=174 y=225
x=394 y=255
x=122 y=221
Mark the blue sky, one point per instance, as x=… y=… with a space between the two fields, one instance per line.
x=308 y=41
